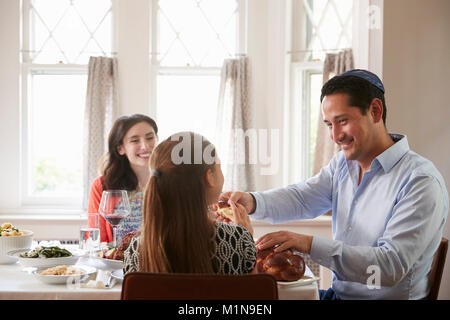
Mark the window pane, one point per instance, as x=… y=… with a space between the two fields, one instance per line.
x=329 y=26
x=69 y=31
x=56 y=134
x=187 y=103
x=315 y=82
x=196 y=33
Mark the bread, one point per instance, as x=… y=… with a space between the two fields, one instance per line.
x=225 y=210
x=287 y=265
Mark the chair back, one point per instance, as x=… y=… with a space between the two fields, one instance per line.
x=437 y=269
x=181 y=286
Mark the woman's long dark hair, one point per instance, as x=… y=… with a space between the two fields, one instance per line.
x=116 y=168
x=177 y=234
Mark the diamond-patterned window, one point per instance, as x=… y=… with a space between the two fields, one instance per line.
x=329 y=26
x=198 y=33
x=319 y=27
x=191 y=40
x=68 y=31
x=58 y=38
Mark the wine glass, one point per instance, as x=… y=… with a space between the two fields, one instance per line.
x=114 y=206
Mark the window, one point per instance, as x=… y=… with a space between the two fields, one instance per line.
x=58 y=38
x=319 y=26
x=191 y=38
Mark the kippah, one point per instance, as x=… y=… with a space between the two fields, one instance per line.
x=366 y=75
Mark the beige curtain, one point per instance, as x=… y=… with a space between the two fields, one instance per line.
x=334 y=64
x=233 y=121
x=101 y=110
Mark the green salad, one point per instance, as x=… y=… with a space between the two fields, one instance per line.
x=46 y=252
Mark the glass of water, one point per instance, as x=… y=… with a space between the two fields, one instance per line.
x=90 y=233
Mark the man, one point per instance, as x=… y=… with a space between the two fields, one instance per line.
x=389 y=205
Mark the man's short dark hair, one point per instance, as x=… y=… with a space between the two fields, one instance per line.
x=360 y=92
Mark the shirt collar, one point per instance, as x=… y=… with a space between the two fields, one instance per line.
x=394 y=153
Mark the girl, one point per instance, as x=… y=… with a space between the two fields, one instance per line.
x=179 y=234
x=126 y=167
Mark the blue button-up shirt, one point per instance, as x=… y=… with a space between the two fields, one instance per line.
x=385 y=230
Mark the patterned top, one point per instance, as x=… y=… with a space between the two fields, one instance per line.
x=235 y=251
x=133 y=221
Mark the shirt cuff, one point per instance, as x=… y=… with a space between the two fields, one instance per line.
x=322 y=251
x=260 y=209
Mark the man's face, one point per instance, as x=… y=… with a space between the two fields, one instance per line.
x=348 y=127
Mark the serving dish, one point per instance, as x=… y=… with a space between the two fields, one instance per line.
x=8 y=244
x=305 y=280
x=103 y=263
x=47 y=262
x=64 y=279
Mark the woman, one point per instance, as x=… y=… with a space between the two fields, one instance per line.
x=126 y=167
x=179 y=234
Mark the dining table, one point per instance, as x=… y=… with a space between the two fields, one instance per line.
x=18 y=283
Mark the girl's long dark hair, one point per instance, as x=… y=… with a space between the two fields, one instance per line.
x=116 y=168
x=177 y=234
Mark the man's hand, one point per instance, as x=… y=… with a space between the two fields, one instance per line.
x=240 y=216
x=243 y=198
x=285 y=240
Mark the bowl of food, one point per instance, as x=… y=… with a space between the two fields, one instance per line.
x=46 y=257
x=63 y=274
x=12 y=238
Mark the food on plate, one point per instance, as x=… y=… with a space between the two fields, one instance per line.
x=46 y=252
x=117 y=253
x=224 y=210
x=287 y=265
x=8 y=230
x=61 y=271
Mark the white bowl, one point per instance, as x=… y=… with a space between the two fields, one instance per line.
x=69 y=280
x=8 y=244
x=46 y=262
x=105 y=264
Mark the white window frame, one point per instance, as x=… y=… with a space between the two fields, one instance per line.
x=27 y=69
x=300 y=119
x=156 y=69
x=298 y=167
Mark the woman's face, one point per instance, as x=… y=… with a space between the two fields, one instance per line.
x=138 y=144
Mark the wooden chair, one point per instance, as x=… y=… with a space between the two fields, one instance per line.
x=180 y=286
x=437 y=268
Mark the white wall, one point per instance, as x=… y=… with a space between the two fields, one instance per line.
x=416 y=70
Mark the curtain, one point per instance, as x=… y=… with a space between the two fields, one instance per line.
x=334 y=64
x=232 y=124
x=100 y=112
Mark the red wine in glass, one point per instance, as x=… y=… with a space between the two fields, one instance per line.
x=114 y=206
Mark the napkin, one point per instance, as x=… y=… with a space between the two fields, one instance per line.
x=101 y=281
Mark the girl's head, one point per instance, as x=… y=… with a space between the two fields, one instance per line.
x=131 y=142
x=177 y=230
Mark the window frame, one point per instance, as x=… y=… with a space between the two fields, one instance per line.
x=297 y=149
x=156 y=69
x=27 y=70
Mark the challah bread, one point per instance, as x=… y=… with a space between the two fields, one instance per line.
x=287 y=265
x=224 y=210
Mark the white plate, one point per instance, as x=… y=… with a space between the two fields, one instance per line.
x=300 y=282
x=117 y=274
x=69 y=280
x=46 y=262
x=102 y=263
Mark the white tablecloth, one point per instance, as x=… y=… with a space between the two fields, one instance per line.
x=17 y=284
